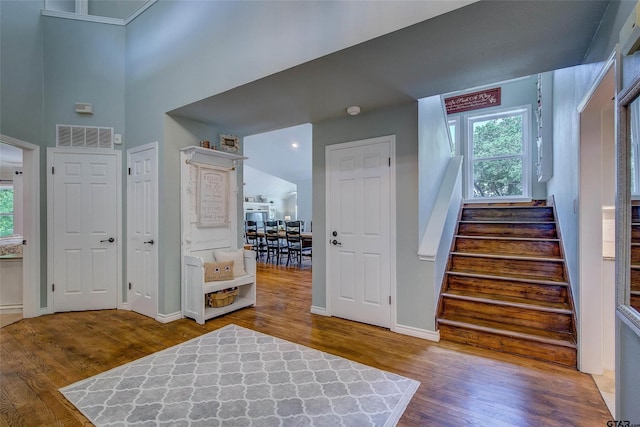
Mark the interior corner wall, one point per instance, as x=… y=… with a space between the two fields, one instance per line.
x=414 y=301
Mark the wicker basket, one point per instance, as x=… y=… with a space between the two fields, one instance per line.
x=221 y=298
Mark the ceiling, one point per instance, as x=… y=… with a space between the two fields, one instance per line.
x=481 y=43
x=274 y=153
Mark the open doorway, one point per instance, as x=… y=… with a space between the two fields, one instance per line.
x=278 y=185
x=21 y=183
x=596 y=232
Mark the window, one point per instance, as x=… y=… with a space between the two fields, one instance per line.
x=453 y=131
x=6 y=211
x=498 y=164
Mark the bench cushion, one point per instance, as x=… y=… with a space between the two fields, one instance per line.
x=229 y=255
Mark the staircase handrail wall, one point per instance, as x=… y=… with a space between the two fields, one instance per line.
x=438 y=236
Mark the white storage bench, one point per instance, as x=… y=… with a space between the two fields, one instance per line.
x=195 y=288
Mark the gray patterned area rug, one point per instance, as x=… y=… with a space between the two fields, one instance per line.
x=238 y=377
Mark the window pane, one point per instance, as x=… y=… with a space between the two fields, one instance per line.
x=497 y=178
x=6 y=225
x=498 y=137
x=452 y=131
x=6 y=200
x=6 y=208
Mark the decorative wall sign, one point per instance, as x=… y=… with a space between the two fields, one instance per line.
x=229 y=143
x=473 y=101
x=213 y=196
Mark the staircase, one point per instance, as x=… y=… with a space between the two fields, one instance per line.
x=506 y=286
x=635 y=254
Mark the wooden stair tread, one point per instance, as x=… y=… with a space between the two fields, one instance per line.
x=509 y=278
x=546 y=306
x=509 y=330
x=512 y=257
x=468 y=221
x=507 y=238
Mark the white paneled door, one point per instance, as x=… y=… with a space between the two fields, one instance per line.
x=142 y=229
x=83 y=228
x=359 y=218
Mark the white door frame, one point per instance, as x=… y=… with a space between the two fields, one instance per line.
x=50 y=225
x=31 y=216
x=391 y=140
x=591 y=316
x=149 y=146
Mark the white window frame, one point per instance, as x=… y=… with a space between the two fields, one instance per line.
x=455 y=122
x=525 y=111
x=12 y=213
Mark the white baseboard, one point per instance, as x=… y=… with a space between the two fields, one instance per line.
x=166 y=318
x=123 y=306
x=417 y=332
x=11 y=309
x=321 y=311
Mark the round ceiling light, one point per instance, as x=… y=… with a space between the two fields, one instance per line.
x=354 y=110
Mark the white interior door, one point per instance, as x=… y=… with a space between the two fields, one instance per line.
x=84 y=229
x=360 y=247
x=142 y=229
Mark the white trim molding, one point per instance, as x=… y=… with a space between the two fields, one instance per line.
x=417 y=332
x=11 y=309
x=167 y=318
x=320 y=311
x=31 y=284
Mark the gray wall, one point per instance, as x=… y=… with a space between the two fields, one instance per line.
x=414 y=300
x=514 y=94
x=21 y=70
x=570 y=85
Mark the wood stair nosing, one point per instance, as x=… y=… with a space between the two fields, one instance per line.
x=531 y=334
x=514 y=279
x=510 y=238
x=538 y=306
x=485 y=221
x=510 y=257
x=528 y=316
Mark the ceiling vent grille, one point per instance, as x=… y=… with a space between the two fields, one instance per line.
x=84 y=136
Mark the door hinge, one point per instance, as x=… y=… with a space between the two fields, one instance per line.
x=24 y=242
x=129 y=171
x=389 y=299
x=52 y=170
x=129 y=285
x=53 y=287
x=389 y=161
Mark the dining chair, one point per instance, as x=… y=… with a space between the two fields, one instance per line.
x=272 y=239
x=295 y=246
x=251 y=236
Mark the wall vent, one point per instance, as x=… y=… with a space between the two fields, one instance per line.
x=84 y=136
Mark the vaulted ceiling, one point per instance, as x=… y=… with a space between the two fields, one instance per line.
x=481 y=43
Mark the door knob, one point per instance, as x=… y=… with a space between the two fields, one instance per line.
x=334 y=234
x=150 y=242
x=110 y=240
x=335 y=242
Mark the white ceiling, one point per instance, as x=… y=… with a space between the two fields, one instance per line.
x=273 y=152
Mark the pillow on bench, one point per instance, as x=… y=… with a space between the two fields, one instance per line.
x=216 y=271
x=236 y=256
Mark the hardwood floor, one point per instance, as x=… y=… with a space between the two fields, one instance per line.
x=460 y=385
